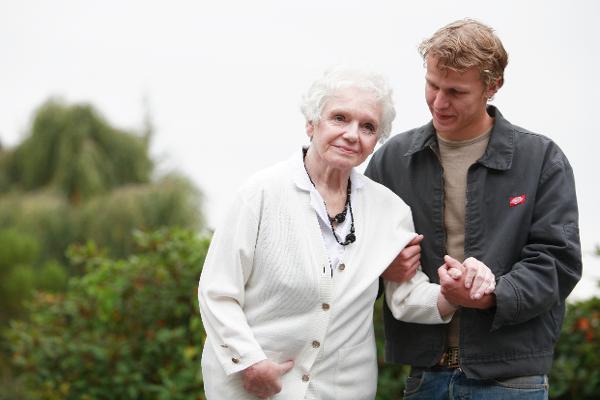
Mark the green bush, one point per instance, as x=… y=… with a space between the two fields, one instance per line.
x=127 y=329
x=110 y=219
x=576 y=371
x=130 y=329
x=17 y=278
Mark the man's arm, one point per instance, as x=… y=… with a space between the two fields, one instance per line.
x=550 y=263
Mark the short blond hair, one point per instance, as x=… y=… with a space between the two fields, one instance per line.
x=468 y=43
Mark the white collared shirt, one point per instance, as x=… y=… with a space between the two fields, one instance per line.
x=335 y=251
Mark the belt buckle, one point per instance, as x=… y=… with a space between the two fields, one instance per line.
x=450 y=358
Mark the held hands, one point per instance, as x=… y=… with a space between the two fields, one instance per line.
x=263 y=379
x=472 y=287
x=405 y=265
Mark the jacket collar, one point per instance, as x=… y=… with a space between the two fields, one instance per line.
x=500 y=149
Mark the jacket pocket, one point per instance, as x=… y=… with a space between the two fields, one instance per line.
x=356 y=373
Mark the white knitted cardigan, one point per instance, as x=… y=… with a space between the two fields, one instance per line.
x=266 y=290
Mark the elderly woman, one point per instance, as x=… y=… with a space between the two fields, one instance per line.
x=288 y=286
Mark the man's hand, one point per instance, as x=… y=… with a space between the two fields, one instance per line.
x=474 y=287
x=405 y=265
x=263 y=379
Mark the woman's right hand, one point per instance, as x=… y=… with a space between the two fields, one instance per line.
x=263 y=379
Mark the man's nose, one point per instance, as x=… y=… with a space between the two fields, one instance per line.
x=441 y=100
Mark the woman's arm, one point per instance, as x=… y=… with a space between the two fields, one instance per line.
x=221 y=292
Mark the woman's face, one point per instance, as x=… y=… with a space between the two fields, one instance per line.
x=347 y=131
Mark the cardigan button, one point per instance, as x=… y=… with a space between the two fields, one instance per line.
x=316 y=344
x=325 y=306
x=235 y=360
x=305 y=378
x=342 y=267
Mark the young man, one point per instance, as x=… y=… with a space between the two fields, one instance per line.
x=481 y=191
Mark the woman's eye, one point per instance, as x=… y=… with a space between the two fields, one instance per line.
x=339 y=118
x=370 y=128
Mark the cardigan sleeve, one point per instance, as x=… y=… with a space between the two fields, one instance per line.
x=414 y=300
x=221 y=294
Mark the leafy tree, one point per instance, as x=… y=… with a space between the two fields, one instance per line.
x=74 y=150
x=76 y=178
x=128 y=329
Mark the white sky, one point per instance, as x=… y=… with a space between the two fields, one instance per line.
x=223 y=78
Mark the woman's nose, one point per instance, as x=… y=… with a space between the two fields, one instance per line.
x=351 y=132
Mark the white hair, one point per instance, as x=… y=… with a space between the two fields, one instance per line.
x=338 y=78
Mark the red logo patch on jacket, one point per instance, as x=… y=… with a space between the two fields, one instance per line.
x=515 y=201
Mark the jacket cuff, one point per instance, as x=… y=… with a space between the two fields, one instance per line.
x=507 y=303
x=232 y=362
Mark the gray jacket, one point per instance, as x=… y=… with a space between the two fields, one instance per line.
x=521 y=220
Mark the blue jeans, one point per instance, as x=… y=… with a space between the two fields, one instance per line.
x=454 y=385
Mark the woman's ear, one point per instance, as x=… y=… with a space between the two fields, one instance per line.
x=310 y=129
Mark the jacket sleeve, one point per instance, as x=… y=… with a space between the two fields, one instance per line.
x=550 y=263
x=221 y=297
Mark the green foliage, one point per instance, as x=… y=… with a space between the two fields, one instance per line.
x=109 y=220
x=53 y=223
x=73 y=179
x=17 y=278
x=127 y=329
x=18 y=248
x=576 y=371
x=72 y=149
x=391 y=379
x=45 y=216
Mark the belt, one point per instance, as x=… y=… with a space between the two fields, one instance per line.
x=448 y=362
x=450 y=358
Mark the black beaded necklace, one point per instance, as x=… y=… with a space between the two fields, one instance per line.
x=341 y=217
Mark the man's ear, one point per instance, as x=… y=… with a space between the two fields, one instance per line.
x=493 y=87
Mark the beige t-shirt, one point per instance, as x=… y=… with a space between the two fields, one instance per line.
x=456 y=158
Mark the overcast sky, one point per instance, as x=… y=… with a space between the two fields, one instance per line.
x=222 y=79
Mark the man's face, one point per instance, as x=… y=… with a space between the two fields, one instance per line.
x=457 y=101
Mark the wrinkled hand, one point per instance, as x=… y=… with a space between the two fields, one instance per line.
x=475 y=286
x=263 y=379
x=478 y=277
x=405 y=265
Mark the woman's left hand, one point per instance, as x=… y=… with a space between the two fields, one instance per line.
x=406 y=263
x=263 y=379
